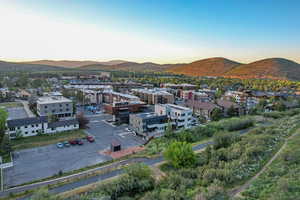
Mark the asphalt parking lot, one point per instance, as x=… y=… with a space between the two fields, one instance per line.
x=16 y=113
x=37 y=163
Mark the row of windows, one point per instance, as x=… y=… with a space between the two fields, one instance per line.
x=60 y=110
x=60 y=105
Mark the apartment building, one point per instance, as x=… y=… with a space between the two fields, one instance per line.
x=38 y=125
x=154 y=96
x=54 y=104
x=180 y=117
x=148 y=124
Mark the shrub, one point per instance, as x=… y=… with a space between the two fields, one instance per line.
x=180 y=154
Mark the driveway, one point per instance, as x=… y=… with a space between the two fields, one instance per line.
x=37 y=163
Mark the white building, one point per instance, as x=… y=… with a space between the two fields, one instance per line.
x=55 y=104
x=38 y=125
x=181 y=117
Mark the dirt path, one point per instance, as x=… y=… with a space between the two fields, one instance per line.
x=237 y=192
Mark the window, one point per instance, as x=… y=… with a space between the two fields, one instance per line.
x=32 y=131
x=18 y=128
x=32 y=125
x=60 y=105
x=26 y=133
x=46 y=107
x=12 y=128
x=36 y=125
x=25 y=126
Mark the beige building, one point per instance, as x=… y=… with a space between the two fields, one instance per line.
x=154 y=96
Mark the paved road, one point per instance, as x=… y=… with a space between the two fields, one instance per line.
x=37 y=163
x=26 y=108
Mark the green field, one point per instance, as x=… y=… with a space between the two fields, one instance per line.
x=42 y=140
x=11 y=104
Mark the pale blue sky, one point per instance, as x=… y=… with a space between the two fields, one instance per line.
x=150 y=30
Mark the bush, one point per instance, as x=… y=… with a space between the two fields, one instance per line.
x=180 y=154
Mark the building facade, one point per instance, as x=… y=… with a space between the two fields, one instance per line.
x=179 y=116
x=38 y=125
x=148 y=124
x=154 y=96
x=55 y=105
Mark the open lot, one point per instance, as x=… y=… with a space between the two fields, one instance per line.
x=41 y=162
x=16 y=113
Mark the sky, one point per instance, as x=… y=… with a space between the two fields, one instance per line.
x=161 y=31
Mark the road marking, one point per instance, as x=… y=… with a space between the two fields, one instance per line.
x=94 y=121
x=108 y=123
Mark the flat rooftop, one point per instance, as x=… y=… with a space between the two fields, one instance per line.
x=53 y=99
x=148 y=115
x=177 y=107
x=158 y=91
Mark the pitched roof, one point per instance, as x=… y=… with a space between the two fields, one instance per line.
x=227 y=104
x=201 y=105
x=62 y=123
x=26 y=121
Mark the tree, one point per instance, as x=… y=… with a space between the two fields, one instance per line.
x=216 y=114
x=139 y=170
x=3 y=117
x=180 y=154
x=82 y=120
x=169 y=132
x=232 y=112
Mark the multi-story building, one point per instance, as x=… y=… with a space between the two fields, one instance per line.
x=38 y=125
x=121 y=110
x=154 y=96
x=183 y=86
x=200 y=108
x=110 y=96
x=148 y=124
x=239 y=97
x=55 y=104
x=179 y=116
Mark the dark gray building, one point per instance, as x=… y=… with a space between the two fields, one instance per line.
x=148 y=124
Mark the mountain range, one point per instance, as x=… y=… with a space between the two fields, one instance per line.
x=271 y=68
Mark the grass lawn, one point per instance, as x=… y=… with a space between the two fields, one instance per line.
x=42 y=140
x=11 y=104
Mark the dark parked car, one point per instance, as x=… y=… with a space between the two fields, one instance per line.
x=79 y=142
x=73 y=142
x=66 y=144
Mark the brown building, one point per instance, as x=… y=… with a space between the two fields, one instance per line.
x=154 y=96
x=200 y=108
x=226 y=105
x=121 y=110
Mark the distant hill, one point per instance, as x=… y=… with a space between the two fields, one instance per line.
x=129 y=66
x=73 y=64
x=271 y=68
x=207 y=67
x=22 y=67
